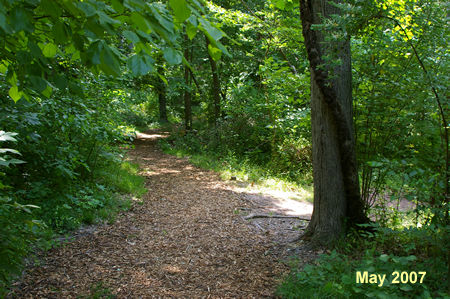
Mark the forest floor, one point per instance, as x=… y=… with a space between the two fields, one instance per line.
x=192 y=236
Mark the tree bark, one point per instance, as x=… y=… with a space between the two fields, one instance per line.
x=187 y=91
x=215 y=90
x=162 y=101
x=337 y=201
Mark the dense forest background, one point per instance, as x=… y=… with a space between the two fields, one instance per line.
x=231 y=81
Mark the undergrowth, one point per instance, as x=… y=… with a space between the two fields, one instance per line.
x=406 y=251
x=234 y=165
x=27 y=228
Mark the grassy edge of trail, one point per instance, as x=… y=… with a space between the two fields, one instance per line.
x=28 y=229
x=232 y=167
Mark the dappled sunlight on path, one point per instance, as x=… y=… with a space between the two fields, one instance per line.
x=279 y=201
x=188 y=239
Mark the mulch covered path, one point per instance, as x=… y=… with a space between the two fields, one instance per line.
x=187 y=240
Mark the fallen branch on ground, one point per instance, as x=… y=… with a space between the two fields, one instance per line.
x=253 y=216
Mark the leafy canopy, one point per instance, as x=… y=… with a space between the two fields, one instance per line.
x=38 y=36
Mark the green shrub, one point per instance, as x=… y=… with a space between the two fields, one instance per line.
x=334 y=274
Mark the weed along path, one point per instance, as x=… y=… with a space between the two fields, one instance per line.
x=193 y=236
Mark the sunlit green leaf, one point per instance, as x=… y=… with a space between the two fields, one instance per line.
x=140 y=22
x=213 y=32
x=180 y=9
x=49 y=50
x=7 y=136
x=14 y=93
x=191 y=30
x=214 y=52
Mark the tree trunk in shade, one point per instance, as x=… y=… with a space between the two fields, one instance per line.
x=337 y=201
x=215 y=90
x=162 y=101
x=187 y=91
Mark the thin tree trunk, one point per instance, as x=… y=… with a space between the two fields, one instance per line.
x=215 y=90
x=337 y=199
x=162 y=101
x=187 y=91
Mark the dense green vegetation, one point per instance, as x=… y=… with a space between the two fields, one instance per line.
x=231 y=80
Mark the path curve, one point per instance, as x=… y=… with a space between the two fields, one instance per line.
x=187 y=240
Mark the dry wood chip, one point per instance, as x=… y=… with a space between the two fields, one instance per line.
x=185 y=241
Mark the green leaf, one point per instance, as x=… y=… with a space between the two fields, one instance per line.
x=406 y=287
x=162 y=19
x=3 y=68
x=117 y=5
x=35 y=50
x=186 y=63
x=199 y=6
x=94 y=29
x=20 y=20
x=140 y=64
x=51 y=7
x=140 y=22
x=411 y=258
x=222 y=48
x=172 y=56
x=374 y=164
x=9 y=150
x=15 y=94
x=7 y=136
x=60 y=81
x=131 y=36
x=3 y=23
x=163 y=79
x=38 y=84
x=213 y=32
x=134 y=4
x=5 y=162
x=50 y=50
x=279 y=4
x=61 y=32
x=105 y=19
x=180 y=9
x=47 y=92
x=191 y=30
x=109 y=61
x=193 y=20
x=214 y=52
x=92 y=55
x=87 y=8
x=384 y=257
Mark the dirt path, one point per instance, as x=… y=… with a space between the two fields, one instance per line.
x=188 y=239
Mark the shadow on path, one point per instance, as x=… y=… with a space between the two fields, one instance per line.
x=188 y=239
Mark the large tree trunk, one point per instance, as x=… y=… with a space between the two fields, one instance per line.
x=215 y=90
x=161 y=90
x=187 y=91
x=337 y=200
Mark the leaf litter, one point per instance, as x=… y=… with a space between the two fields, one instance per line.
x=189 y=239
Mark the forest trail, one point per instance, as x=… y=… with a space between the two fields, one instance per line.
x=189 y=239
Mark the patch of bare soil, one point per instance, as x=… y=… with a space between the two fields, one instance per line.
x=189 y=239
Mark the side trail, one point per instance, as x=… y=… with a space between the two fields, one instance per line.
x=188 y=239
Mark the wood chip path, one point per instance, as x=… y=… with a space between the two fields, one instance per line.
x=187 y=240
